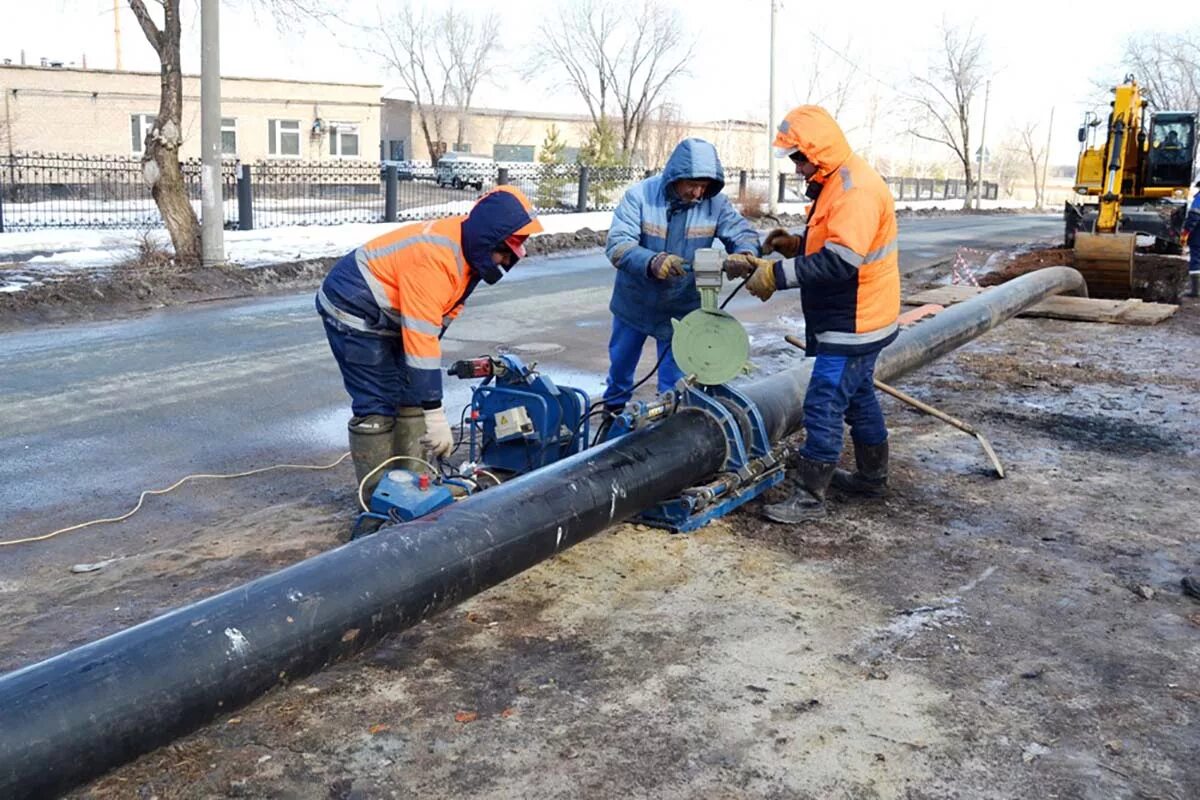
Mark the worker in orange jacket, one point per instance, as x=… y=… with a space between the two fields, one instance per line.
x=847 y=265
x=385 y=306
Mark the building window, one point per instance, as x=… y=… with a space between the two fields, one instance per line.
x=513 y=152
x=139 y=126
x=396 y=149
x=283 y=138
x=228 y=136
x=462 y=147
x=343 y=140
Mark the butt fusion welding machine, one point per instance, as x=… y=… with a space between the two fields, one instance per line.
x=520 y=420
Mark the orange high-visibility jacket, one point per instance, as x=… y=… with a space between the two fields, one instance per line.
x=412 y=282
x=850 y=270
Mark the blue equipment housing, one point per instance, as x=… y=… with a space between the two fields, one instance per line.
x=399 y=497
x=556 y=425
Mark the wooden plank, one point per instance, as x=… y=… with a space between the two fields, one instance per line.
x=1074 y=309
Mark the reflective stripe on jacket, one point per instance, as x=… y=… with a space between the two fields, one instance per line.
x=647 y=222
x=413 y=281
x=850 y=270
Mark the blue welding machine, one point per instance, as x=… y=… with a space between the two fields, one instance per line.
x=520 y=419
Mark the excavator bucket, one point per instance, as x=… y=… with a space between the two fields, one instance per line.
x=1106 y=261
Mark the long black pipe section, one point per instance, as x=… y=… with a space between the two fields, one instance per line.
x=72 y=717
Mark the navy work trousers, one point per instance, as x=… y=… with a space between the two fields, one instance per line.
x=624 y=350
x=841 y=388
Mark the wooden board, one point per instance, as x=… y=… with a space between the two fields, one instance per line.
x=1077 y=309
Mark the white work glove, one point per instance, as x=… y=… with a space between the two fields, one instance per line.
x=437 y=439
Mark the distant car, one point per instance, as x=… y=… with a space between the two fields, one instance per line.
x=463 y=169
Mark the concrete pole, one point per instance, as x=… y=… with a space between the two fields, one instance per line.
x=772 y=199
x=987 y=92
x=1046 y=157
x=212 y=215
x=117 y=31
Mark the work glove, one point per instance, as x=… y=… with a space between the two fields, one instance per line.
x=762 y=283
x=665 y=265
x=437 y=439
x=788 y=245
x=738 y=265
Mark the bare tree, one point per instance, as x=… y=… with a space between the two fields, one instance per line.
x=468 y=43
x=627 y=52
x=1168 y=66
x=160 y=158
x=665 y=130
x=1034 y=149
x=943 y=97
x=832 y=77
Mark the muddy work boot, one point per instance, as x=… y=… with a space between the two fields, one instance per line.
x=870 y=478
x=370 y=446
x=807 y=502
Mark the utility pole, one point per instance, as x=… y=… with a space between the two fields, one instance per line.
x=212 y=216
x=987 y=92
x=772 y=193
x=117 y=31
x=1046 y=159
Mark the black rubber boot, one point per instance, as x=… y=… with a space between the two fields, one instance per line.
x=808 y=498
x=870 y=479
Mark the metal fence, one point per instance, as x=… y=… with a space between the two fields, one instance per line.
x=49 y=190
x=67 y=191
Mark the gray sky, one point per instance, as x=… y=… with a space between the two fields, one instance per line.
x=1043 y=54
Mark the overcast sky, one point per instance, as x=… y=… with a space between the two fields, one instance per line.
x=1043 y=54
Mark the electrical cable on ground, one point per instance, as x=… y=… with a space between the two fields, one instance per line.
x=171 y=488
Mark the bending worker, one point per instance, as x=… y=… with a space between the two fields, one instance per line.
x=659 y=225
x=385 y=307
x=847 y=266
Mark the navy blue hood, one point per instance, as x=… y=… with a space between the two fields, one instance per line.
x=494 y=218
x=694 y=158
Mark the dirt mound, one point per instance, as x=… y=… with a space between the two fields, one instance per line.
x=1156 y=278
x=581 y=239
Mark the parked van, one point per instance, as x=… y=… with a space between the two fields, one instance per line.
x=463 y=169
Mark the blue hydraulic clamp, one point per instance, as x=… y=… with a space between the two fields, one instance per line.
x=751 y=466
x=521 y=420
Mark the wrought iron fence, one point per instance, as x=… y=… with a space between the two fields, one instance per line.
x=51 y=190
x=67 y=191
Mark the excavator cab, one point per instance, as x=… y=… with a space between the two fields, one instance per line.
x=1172 y=150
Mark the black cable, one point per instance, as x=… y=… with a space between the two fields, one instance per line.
x=462 y=433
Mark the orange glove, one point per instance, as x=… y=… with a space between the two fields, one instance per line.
x=786 y=244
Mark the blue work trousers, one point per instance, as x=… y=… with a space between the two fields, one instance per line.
x=841 y=388
x=373 y=370
x=624 y=350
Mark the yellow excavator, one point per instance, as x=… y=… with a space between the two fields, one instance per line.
x=1139 y=176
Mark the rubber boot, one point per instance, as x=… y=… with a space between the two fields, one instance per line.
x=808 y=498
x=870 y=478
x=406 y=438
x=370 y=446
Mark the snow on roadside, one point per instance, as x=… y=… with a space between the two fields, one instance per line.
x=29 y=257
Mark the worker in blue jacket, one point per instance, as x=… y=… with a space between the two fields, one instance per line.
x=1191 y=227
x=656 y=230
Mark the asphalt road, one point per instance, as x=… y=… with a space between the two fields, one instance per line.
x=93 y=414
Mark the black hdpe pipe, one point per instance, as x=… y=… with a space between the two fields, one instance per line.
x=74 y=716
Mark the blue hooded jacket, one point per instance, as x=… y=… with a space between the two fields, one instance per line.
x=651 y=220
